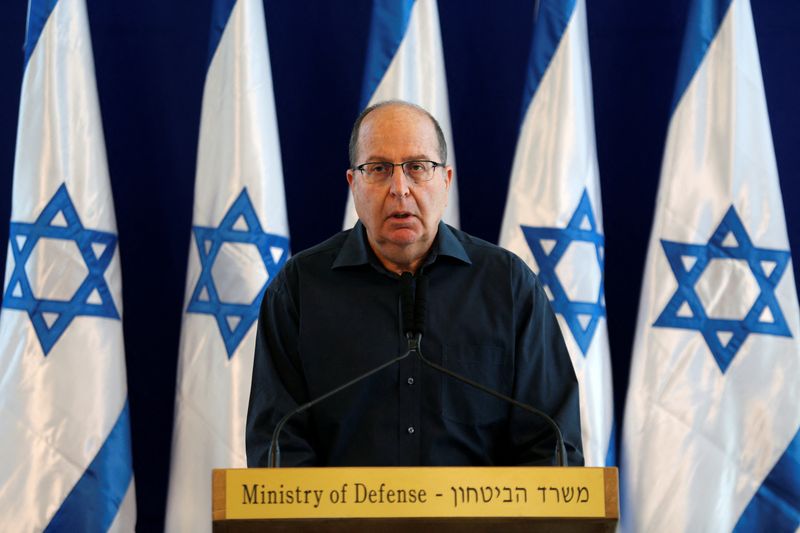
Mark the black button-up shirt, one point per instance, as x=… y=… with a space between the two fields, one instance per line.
x=333 y=312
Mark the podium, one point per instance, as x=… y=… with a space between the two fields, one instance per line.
x=418 y=499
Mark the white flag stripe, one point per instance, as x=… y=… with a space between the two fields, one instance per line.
x=416 y=74
x=706 y=421
x=126 y=514
x=555 y=165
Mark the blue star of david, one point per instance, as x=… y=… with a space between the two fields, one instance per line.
x=676 y=314
x=50 y=317
x=581 y=228
x=205 y=297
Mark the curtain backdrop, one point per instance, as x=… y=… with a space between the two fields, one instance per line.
x=151 y=58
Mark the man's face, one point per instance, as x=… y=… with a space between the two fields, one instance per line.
x=401 y=217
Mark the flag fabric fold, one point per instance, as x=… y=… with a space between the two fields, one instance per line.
x=711 y=438
x=553 y=215
x=239 y=243
x=405 y=61
x=64 y=416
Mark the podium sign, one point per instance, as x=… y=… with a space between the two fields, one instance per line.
x=286 y=494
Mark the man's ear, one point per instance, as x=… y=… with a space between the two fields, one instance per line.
x=448 y=176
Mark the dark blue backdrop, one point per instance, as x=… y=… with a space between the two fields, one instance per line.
x=150 y=60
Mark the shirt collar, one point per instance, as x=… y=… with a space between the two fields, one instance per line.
x=355 y=250
x=448 y=245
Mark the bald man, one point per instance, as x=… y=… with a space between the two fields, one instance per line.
x=334 y=312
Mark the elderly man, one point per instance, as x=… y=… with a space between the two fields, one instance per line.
x=334 y=312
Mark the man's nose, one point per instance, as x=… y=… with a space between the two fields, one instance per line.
x=398 y=183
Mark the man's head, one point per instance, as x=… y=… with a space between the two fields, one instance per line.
x=357 y=129
x=401 y=214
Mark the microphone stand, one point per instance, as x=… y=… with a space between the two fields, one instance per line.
x=561 y=451
x=414 y=324
x=275 y=449
x=414 y=338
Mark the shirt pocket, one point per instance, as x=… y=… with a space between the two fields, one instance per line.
x=484 y=364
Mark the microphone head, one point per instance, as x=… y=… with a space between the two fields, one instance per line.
x=421 y=305
x=407 y=302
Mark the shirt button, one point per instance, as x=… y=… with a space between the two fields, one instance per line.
x=410 y=430
x=410 y=381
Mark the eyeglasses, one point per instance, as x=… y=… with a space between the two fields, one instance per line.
x=417 y=171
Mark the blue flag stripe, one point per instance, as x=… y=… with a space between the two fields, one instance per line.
x=388 y=26
x=776 y=504
x=38 y=13
x=220 y=13
x=705 y=17
x=611 y=454
x=95 y=499
x=548 y=29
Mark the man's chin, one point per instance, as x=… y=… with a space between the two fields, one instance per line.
x=403 y=236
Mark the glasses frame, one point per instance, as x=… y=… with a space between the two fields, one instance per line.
x=402 y=166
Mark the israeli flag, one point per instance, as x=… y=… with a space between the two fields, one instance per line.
x=65 y=452
x=239 y=243
x=711 y=438
x=553 y=217
x=405 y=62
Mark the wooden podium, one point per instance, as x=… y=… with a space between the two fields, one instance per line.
x=415 y=499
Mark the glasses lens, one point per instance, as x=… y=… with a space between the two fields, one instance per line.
x=375 y=172
x=418 y=170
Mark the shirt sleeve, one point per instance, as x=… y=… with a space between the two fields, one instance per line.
x=278 y=385
x=544 y=378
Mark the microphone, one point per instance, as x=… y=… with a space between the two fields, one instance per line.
x=407 y=303
x=413 y=335
x=421 y=305
x=407 y=317
x=420 y=311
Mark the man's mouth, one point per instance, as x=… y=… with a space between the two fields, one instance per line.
x=401 y=215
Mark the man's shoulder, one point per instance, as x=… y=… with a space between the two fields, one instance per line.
x=317 y=258
x=328 y=248
x=479 y=249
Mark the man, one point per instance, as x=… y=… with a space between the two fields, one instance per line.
x=334 y=312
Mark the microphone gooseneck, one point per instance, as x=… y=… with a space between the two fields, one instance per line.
x=561 y=450
x=274 y=458
x=420 y=311
x=407 y=319
x=413 y=312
